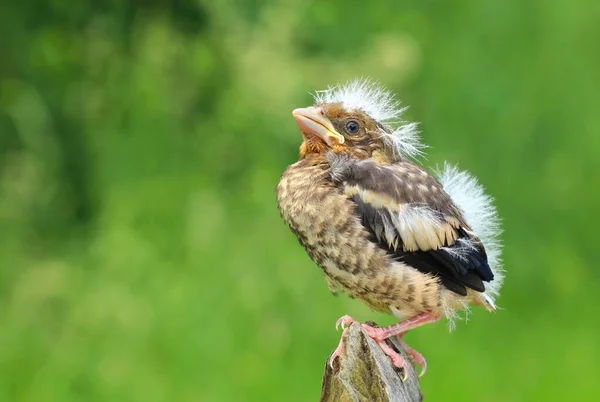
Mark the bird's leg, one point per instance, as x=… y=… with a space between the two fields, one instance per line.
x=398 y=330
x=379 y=335
x=401 y=327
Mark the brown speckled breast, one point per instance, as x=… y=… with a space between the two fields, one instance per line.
x=325 y=222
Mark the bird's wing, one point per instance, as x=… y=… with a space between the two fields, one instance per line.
x=409 y=214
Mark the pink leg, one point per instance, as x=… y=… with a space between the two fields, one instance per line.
x=401 y=327
x=379 y=335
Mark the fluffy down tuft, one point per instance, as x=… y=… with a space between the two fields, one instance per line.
x=480 y=214
x=380 y=104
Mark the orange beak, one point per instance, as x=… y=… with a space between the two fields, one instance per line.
x=312 y=121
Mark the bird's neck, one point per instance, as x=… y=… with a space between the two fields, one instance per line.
x=312 y=159
x=315 y=150
x=312 y=147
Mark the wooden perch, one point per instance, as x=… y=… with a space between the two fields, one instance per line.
x=363 y=373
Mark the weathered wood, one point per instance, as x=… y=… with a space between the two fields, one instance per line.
x=363 y=373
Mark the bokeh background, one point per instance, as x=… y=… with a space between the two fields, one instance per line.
x=142 y=255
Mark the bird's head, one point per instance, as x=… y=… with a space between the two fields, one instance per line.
x=359 y=118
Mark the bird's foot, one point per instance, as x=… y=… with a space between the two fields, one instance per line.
x=396 y=358
x=344 y=322
x=379 y=335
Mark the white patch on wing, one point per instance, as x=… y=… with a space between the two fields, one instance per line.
x=481 y=215
x=381 y=105
x=418 y=226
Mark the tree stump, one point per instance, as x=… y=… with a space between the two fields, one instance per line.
x=363 y=373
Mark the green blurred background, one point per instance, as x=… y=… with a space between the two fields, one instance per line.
x=142 y=255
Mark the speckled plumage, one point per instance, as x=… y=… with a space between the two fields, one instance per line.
x=382 y=228
x=326 y=223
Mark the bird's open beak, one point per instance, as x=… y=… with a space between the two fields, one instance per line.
x=312 y=120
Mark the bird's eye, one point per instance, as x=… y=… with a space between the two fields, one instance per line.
x=352 y=127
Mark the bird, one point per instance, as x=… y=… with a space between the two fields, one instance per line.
x=418 y=245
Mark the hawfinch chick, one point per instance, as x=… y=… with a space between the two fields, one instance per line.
x=382 y=228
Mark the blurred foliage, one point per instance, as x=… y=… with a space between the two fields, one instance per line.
x=142 y=256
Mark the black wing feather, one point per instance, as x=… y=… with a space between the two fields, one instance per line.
x=457 y=269
x=460 y=263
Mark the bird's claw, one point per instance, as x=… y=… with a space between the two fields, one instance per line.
x=332 y=359
x=398 y=362
x=343 y=322
x=337 y=352
x=416 y=357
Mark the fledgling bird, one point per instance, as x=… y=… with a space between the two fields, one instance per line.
x=382 y=228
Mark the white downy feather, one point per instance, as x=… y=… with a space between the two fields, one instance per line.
x=381 y=105
x=481 y=215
